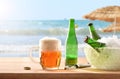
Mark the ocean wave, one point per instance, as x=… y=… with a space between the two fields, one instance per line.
x=47 y=27
x=51 y=31
x=24 y=50
x=15 y=48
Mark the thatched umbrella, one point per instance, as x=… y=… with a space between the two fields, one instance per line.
x=109 y=14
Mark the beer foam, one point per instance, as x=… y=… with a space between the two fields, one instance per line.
x=50 y=44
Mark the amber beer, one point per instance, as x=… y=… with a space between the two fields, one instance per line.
x=50 y=59
x=50 y=53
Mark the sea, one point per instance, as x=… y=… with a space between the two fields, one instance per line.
x=18 y=37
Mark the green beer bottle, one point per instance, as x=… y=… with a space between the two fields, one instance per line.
x=93 y=32
x=71 y=45
x=95 y=44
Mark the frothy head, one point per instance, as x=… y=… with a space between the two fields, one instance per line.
x=50 y=44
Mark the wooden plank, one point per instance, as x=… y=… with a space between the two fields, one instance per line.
x=13 y=68
x=58 y=76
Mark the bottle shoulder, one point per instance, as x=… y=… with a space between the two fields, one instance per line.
x=72 y=39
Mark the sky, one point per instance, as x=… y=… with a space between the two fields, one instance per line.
x=50 y=9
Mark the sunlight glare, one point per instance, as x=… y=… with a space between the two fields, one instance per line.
x=5 y=9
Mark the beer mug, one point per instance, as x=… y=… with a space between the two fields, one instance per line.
x=50 y=50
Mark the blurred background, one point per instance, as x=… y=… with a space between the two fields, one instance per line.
x=24 y=22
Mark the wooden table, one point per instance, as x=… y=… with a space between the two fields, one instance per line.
x=13 y=68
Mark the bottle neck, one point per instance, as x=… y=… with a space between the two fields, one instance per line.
x=91 y=28
x=93 y=33
x=89 y=40
x=71 y=28
x=94 y=43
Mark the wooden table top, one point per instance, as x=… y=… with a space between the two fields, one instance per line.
x=13 y=68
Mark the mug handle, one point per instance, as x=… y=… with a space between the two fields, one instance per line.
x=35 y=48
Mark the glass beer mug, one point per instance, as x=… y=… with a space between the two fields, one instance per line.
x=50 y=50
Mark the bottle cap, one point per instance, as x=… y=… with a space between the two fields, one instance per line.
x=27 y=68
x=90 y=24
x=50 y=44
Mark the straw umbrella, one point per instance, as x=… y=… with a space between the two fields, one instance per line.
x=109 y=14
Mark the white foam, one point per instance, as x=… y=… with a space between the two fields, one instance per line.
x=50 y=43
